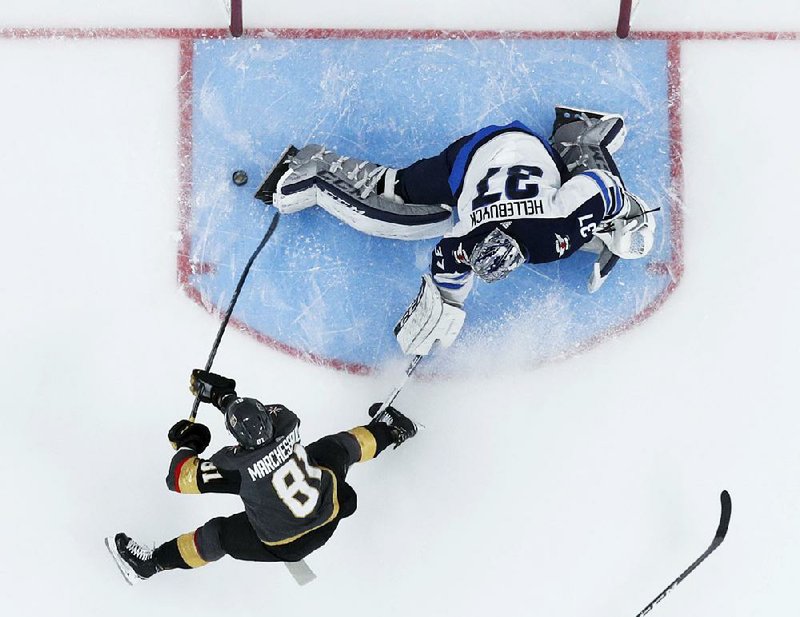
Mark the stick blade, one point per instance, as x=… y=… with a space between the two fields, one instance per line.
x=725 y=516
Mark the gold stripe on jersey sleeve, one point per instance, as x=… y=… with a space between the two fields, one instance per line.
x=187 y=476
x=332 y=517
x=366 y=441
x=188 y=550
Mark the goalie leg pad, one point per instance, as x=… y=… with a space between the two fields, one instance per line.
x=359 y=193
x=593 y=127
x=427 y=320
x=587 y=139
x=296 y=187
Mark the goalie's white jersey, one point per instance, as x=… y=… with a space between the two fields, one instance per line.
x=510 y=177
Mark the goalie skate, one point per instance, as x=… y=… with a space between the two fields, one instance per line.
x=267 y=189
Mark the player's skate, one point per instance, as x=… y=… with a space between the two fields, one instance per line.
x=136 y=562
x=357 y=192
x=402 y=428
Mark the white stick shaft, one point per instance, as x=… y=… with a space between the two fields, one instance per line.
x=390 y=399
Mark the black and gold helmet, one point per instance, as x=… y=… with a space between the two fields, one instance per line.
x=249 y=422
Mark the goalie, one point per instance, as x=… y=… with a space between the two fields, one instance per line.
x=500 y=197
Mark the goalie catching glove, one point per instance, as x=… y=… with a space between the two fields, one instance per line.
x=631 y=234
x=427 y=320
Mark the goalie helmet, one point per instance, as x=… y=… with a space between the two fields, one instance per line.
x=496 y=256
x=249 y=422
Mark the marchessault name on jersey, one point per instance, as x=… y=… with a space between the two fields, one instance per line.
x=276 y=457
x=523 y=208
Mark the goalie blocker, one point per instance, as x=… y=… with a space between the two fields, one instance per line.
x=427 y=320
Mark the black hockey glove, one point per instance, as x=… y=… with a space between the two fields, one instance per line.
x=376 y=406
x=400 y=427
x=210 y=387
x=188 y=434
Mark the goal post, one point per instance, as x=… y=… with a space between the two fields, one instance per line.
x=234 y=10
x=624 y=21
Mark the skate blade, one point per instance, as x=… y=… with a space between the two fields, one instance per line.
x=127 y=572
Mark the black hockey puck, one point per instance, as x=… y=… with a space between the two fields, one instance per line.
x=239 y=177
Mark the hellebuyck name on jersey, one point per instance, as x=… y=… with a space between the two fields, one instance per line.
x=512 y=178
x=504 y=210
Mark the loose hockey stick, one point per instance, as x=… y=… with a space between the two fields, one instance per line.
x=719 y=536
x=273 y=224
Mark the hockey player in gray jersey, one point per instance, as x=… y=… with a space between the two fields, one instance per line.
x=500 y=197
x=294 y=496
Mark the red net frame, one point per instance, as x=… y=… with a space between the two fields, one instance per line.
x=624 y=21
x=236 y=26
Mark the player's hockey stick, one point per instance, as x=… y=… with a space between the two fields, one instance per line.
x=719 y=536
x=393 y=395
x=300 y=570
x=235 y=297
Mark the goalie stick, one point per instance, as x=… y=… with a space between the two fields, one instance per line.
x=393 y=395
x=719 y=536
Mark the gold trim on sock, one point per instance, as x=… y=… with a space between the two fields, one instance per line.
x=366 y=441
x=188 y=550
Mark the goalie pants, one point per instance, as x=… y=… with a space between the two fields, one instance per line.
x=427 y=180
x=235 y=536
x=438 y=180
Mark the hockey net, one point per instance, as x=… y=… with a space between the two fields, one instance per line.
x=626 y=9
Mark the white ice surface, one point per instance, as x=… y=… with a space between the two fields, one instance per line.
x=560 y=492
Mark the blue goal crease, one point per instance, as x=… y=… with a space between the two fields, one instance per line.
x=324 y=289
